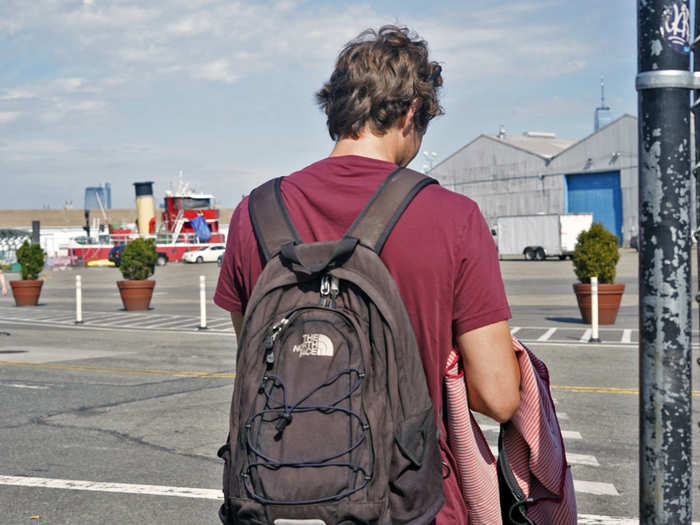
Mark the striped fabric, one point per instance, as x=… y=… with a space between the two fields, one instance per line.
x=533 y=444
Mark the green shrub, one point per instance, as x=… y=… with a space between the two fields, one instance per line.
x=31 y=258
x=139 y=259
x=596 y=253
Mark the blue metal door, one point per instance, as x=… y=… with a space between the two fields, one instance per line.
x=600 y=194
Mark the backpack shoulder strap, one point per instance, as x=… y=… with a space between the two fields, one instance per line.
x=271 y=222
x=375 y=222
x=273 y=226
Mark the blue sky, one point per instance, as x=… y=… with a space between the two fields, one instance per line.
x=119 y=91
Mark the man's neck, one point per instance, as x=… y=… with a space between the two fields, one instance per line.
x=384 y=147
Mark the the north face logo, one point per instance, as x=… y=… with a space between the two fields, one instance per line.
x=314 y=345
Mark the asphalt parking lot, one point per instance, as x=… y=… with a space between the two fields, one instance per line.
x=118 y=420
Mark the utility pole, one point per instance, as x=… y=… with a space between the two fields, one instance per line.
x=663 y=83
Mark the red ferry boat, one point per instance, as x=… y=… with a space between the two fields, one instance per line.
x=176 y=234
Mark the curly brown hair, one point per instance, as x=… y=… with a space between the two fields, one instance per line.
x=376 y=78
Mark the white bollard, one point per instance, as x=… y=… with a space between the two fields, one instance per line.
x=594 y=311
x=78 y=300
x=202 y=303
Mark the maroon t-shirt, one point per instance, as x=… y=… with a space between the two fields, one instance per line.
x=440 y=253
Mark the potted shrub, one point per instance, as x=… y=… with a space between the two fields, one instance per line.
x=137 y=264
x=596 y=254
x=31 y=260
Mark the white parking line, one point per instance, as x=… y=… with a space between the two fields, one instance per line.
x=31 y=387
x=60 y=318
x=121 y=319
x=153 y=322
x=566 y=434
x=588 y=487
x=596 y=488
x=123 y=488
x=91 y=318
x=582 y=459
x=594 y=519
x=571 y=459
x=226 y=323
x=549 y=333
x=586 y=336
x=626 y=336
x=562 y=416
x=515 y=330
x=184 y=321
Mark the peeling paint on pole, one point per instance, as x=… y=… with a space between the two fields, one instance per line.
x=664 y=269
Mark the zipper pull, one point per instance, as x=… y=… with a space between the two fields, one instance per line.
x=325 y=290
x=269 y=340
x=335 y=289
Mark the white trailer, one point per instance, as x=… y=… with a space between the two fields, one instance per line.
x=537 y=237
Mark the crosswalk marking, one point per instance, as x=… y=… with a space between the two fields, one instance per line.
x=547 y=335
x=572 y=459
x=566 y=434
x=562 y=416
x=225 y=323
x=116 y=322
x=123 y=488
x=594 y=519
x=626 y=336
x=183 y=321
x=155 y=321
x=63 y=318
x=588 y=487
x=596 y=488
x=93 y=318
x=586 y=336
x=515 y=330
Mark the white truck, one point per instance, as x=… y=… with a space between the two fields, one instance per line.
x=537 y=237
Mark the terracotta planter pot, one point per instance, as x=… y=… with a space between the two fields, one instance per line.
x=26 y=292
x=136 y=295
x=609 y=297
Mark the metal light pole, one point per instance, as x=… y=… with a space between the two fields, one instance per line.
x=429 y=159
x=663 y=85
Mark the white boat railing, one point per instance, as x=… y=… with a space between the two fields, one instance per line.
x=121 y=238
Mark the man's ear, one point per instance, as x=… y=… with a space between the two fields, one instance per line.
x=407 y=120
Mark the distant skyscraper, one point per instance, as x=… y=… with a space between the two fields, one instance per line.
x=98 y=197
x=603 y=115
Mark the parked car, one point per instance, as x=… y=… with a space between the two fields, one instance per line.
x=208 y=253
x=634 y=242
x=115 y=255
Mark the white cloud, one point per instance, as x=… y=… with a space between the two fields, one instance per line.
x=217 y=70
x=32 y=149
x=17 y=94
x=67 y=84
x=8 y=116
x=59 y=109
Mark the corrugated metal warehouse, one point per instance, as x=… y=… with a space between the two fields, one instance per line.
x=540 y=173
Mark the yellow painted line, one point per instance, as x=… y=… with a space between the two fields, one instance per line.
x=603 y=390
x=117 y=370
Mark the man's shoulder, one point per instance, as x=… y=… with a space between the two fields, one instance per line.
x=448 y=202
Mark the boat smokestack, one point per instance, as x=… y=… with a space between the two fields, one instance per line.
x=145 y=206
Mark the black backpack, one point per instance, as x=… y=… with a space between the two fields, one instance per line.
x=331 y=420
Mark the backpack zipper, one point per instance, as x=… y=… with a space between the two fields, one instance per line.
x=330 y=287
x=270 y=338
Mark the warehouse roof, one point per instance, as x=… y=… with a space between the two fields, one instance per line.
x=545 y=145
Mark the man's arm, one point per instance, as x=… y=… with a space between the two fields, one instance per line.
x=237 y=320
x=492 y=371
